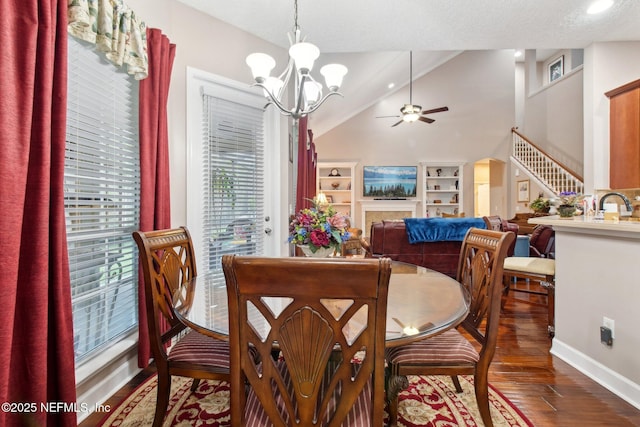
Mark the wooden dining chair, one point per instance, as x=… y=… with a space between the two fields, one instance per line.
x=327 y=318
x=480 y=271
x=494 y=222
x=354 y=245
x=168 y=260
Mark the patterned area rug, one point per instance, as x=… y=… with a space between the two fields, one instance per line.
x=429 y=401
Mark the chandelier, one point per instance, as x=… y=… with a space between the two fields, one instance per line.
x=308 y=92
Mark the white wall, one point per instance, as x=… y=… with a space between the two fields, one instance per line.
x=595 y=278
x=210 y=45
x=479 y=89
x=606 y=67
x=550 y=116
x=554 y=119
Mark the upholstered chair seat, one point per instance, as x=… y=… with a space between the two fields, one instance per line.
x=449 y=347
x=197 y=348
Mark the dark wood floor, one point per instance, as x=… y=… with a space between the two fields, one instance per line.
x=547 y=390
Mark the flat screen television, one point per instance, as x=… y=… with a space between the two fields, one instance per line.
x=389 y=182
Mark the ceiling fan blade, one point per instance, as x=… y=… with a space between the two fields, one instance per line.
x=436 y=110
x=396 y=124
x=384 y=117
x=426 y=119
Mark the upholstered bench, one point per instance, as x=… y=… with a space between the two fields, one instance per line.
x=542 y=270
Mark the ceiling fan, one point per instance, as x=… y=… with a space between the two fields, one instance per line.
x=411 y=112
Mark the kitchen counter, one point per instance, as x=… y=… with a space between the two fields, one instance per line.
x=597 y=273
x=584 y=224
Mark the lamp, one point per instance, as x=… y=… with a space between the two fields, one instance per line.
x=308 y=93
x=321 y=201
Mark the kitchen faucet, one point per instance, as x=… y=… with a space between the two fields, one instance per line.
x=627 y=203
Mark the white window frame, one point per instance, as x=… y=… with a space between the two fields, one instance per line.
x=241 y=93
x=99 y=208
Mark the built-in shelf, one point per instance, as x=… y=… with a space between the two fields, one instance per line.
x=442 y=188
x=339 y=189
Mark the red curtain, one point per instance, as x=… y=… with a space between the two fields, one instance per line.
x=155 y=208
x=313 y=162
x=307 y=163
x=36 y=327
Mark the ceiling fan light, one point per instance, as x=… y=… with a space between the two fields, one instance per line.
x=411 y=109
x=261 y=65
x=333 y=75
x=411 y=117
x=304 y=55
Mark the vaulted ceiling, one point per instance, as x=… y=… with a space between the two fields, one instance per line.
x=373 y=37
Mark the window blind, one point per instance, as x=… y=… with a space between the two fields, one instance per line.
x=102 y=193
x=233 y=172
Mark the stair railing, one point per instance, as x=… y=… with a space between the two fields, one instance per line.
x=551 y=174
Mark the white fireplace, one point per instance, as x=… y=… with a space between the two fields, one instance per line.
x=377 y=210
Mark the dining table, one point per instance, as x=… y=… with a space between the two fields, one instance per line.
x=421 y=303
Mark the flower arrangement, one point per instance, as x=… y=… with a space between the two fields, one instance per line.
x=319 y=228
x=568 y=198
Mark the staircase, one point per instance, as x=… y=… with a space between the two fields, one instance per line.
x=551 y=175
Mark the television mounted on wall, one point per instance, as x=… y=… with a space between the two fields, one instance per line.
x=389 y=182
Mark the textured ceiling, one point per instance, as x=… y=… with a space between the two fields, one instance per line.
x=372 y=37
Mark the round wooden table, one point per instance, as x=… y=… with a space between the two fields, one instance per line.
x=421 y=303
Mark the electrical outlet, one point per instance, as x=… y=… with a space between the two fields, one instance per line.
x=609 y=324
x=605 y=336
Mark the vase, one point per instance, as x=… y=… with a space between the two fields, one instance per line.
x=319 y=253
x=544 y=210
x=566 y=211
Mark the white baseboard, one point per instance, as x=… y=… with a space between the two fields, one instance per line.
x=101 y=377
x=609 y=379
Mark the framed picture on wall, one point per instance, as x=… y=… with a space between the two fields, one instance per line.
x=556 y=69
x=523 y=191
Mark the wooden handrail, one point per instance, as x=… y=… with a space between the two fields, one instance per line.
x=572 y=172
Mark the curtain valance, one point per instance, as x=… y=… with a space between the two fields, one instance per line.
x=115 y=30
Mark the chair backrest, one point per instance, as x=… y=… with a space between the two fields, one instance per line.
x=480 y=271
x=352 y=247
x=542 y=242
x=326 y=305
x=167 y=260
x=494 y=222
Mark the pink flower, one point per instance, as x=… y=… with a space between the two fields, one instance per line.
x=337 y=221
x=306 y=219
